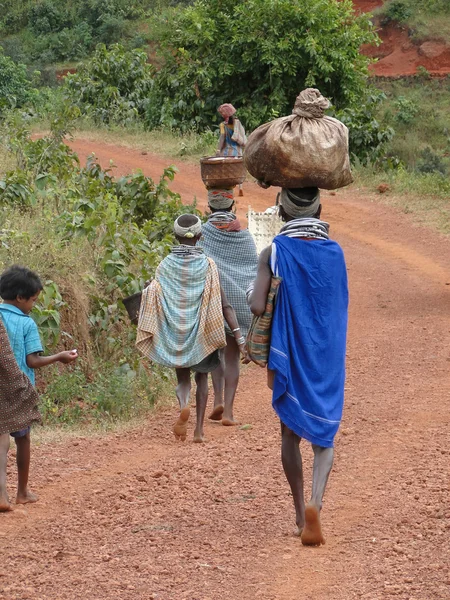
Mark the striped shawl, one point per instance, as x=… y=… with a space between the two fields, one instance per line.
x=181 y=318
x=234 y=253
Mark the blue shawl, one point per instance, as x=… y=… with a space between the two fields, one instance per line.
x=308 y=341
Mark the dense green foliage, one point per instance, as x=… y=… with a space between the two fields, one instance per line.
x=48 y=31
x=94 y=240
x=259 y=54
x=16 y=89
x=113 y=85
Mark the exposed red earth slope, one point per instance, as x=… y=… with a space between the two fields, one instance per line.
x=137 y=516
x=398 y=55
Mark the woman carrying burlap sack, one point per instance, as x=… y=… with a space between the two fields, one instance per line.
x=304 y=149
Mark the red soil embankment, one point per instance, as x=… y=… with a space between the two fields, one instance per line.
x=400 y=56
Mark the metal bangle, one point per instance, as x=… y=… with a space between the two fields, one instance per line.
x=237 y=329
x=240 y=341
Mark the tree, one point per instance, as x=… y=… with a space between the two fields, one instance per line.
x=257 y=54
x=113 y=86
x=16 y=88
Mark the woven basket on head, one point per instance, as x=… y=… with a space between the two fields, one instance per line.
x=222 y=171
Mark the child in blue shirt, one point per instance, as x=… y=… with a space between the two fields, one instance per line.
x=20 y=289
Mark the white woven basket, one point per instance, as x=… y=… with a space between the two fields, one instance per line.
x=264 y=227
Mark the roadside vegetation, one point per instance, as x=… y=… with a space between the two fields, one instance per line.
x=45 y=32
x=425 y=19
x=95 y=239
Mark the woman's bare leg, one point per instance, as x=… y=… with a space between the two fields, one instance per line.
x=232 y=366
x=183 y=391
x=201 y=399
x=293 y=469
x=323 y=462
x=4 y=447
x=218 y=381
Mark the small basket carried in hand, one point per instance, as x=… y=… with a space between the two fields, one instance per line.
x=133 y=305
x=222 y=171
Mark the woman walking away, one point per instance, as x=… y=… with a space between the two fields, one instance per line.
x=181 y=320
x=308 y=340
x=232 y=135
x=18 y=408
x=234 y=252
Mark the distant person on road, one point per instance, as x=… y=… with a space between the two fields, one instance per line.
x=308 y=343
x=232 y=138
x=233 y=250
x=20 y=289
x=181 y=320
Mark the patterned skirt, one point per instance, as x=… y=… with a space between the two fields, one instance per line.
x=18 y=398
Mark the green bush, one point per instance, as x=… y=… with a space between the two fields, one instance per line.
x=113 y=29
x=114 y=86
x=431 y=162
x=45 y=17
x=406 y=109
x=117 y=393
x=398 y=10
x=258 y=55
x=14 y=48
x=16 y=89
x=46 y=32
x=14 y=17
x=368 y=137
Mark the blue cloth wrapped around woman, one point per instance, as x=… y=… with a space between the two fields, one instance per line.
x=308 y=341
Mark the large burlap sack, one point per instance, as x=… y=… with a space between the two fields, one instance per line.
x=305 y=149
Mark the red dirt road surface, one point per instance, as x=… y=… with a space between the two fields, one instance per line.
x=138 y=516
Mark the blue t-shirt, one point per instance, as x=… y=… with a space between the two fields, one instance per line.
x=23 y=336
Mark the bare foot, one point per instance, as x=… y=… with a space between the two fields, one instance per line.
x=312 y=532
x=229 y=422
x=26 y=498
x=241 y=192
x=298 y=532
x=5 y=506
x=217 y=412
x=180 y=427
x=198 y=437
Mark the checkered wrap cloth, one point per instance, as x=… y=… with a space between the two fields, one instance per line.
x=234 y=253
x=181 y=319
x=18 y=398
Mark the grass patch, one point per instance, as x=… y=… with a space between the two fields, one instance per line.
x=7 y=162
x=425 y=196
x=425 y=19
x=116 y=394
x=420 y=120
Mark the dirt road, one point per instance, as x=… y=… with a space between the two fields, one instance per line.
x=139 y=516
